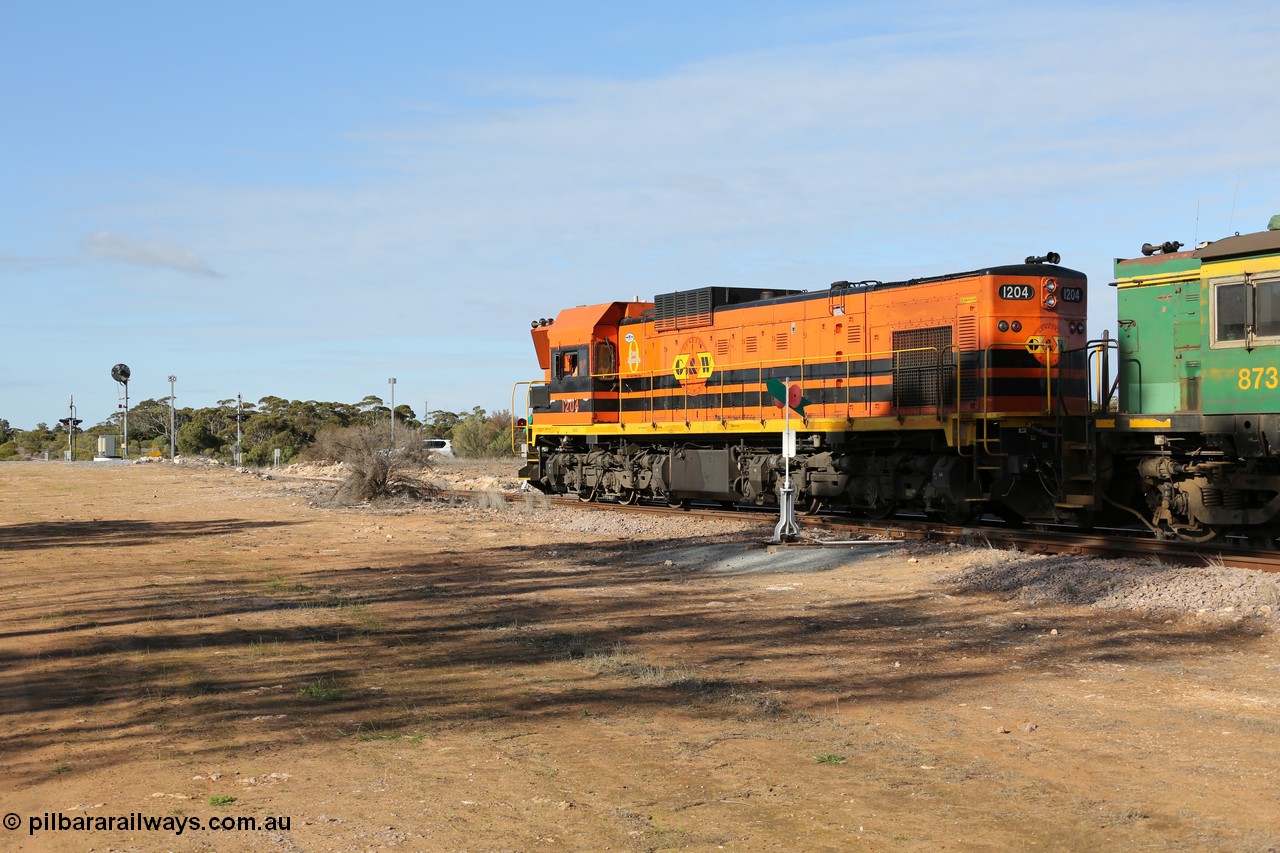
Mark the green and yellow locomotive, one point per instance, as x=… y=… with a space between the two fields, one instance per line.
x=1195 y=445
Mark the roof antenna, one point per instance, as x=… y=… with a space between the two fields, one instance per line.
x=1232 y=220
x=1196 y=241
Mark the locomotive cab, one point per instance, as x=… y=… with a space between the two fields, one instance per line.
x=578 y=353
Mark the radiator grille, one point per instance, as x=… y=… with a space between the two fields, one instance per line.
x=923 y=366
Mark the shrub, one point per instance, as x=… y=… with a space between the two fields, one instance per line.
x=373 y=469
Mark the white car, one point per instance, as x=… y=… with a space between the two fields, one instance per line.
x=442 y=447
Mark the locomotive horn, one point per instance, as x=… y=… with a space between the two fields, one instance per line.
x=1048 y=258
x=1165 y=248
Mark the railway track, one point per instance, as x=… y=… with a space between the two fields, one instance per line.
x=1085 y=544
x=1116 y=545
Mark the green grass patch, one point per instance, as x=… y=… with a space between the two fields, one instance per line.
x=324 y=690
x=279 y=584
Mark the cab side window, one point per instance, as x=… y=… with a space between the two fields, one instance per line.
x=1267 y=302
x=1229 y=304
x=606 y=359
x=1246 y=310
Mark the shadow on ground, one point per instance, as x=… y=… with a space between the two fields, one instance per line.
x=193 y=665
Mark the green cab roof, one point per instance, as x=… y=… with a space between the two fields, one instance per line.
x=1156 y=265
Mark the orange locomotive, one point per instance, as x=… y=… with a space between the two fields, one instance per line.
x=949 y=395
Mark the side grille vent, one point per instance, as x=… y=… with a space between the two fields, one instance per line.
x=689 y=309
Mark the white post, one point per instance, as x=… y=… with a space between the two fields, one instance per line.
x=126 y=420
x=172 y=437
x=392 y=382
x=787 y=529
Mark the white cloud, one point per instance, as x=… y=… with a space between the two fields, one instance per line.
x=152 y=253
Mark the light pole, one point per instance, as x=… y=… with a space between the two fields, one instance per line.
x=70 y=422
x=392 y=383
x=172 y=437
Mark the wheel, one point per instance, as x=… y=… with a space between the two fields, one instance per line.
x=882 y=510
x=813 y=507
x=955 y=515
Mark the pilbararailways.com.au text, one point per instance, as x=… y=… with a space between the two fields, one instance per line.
x=139 y=822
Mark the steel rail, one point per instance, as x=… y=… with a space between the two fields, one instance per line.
x=1066 y=542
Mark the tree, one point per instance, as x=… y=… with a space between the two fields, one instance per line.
x=273 y=405
x=481 y=435
x=195 y=438
x=371 y=410
x=440 y=424
x=149 y=419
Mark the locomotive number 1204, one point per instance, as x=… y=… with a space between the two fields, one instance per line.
x=1016 y=291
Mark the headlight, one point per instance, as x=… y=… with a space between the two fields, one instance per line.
x=1050 y=285
x=1050 y=301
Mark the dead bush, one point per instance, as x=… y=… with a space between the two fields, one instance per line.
x=375 y=470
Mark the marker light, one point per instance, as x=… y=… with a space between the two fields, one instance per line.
x=1016 y=326
x=1003 y=325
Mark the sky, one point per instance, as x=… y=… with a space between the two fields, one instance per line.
x=307 y=199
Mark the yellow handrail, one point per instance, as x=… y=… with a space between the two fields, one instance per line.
x=528 y=416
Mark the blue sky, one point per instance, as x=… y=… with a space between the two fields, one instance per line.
x=304 y=199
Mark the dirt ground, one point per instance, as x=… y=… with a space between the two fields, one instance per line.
x=187 y=642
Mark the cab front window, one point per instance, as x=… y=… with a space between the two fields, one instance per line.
x=567 y=365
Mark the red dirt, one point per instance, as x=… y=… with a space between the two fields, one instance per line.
x=449 y=678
